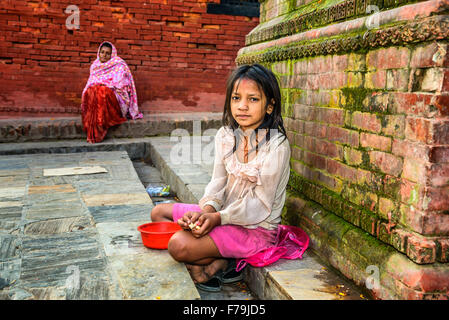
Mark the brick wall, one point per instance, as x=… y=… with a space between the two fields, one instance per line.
x=370 y=142
x=367 y=118
x=366 y=129
x=179 y=55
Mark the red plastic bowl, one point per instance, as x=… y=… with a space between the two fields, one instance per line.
x=155 y=235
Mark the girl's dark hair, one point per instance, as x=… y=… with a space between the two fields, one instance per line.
x=268 y=84
x=106 y=44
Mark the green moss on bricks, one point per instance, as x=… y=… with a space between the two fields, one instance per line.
x=281 y=68
x=366 y=164
x=291 y=5
x=336 y=229
x=305 y=187
x=414 y=196
x=336 y=44
x=327 y=198
x=354 y=97
x=295 y=182
x=289 y=215
x=376 y=183
x=295 y=95
x=310 y=7
x=384 y=122
x=266 y=64
x=289 y=98
x=392 y=187
x=375 y=251
x=368 y=222
x=329 y=202
x=296 y=208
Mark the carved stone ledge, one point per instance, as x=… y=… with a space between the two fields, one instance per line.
x=345 y=10
x=429 y=29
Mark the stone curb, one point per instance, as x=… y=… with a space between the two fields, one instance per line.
x=39 y=129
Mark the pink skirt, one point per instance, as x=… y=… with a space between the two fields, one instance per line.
x=233 y=241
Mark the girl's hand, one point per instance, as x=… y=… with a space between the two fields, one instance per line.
x=188 y=218
x=206 y=221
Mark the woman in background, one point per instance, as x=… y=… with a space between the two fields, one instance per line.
x=109 y=97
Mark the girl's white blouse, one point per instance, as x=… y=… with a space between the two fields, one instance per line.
x=249 y=194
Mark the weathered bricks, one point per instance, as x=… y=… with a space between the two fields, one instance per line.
x=375 y=141
x=366 y=121
x=433 y=54
x=386 y=162
x=421 y=250
x=393 y=125
x=388 y=58
x=376 y=79
x=427 y=131
x=352 y=156
x=431 y=223
x=385 y=151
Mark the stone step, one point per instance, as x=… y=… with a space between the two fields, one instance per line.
x=39 y=129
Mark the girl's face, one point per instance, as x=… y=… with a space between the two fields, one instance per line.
x=248 y=104
x=105 y=54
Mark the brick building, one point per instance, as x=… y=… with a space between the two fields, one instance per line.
x=180 y=52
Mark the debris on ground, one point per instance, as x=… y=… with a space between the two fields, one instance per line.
x=158 y=191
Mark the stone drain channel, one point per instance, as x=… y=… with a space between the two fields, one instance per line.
x=151 y=176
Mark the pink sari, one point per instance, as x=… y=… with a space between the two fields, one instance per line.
x=116 y=75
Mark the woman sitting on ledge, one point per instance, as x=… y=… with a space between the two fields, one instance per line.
x=109 y=97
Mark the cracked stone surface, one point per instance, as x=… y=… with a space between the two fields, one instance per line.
x=75 y=237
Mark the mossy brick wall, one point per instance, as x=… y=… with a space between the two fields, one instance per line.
x=368 y=126
x=367 y=143
x=179 y=54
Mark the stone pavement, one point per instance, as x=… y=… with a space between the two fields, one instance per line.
x=111 y=262
x=75 y=236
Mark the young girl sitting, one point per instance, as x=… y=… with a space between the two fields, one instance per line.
x=240 y=213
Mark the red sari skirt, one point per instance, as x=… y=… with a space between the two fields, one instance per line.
x=100 y=111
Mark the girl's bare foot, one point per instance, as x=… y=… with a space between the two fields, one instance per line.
x=215 y=266
x=201 y=274
x=197 y=273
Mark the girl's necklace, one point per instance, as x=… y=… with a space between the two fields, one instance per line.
x=245 y=149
